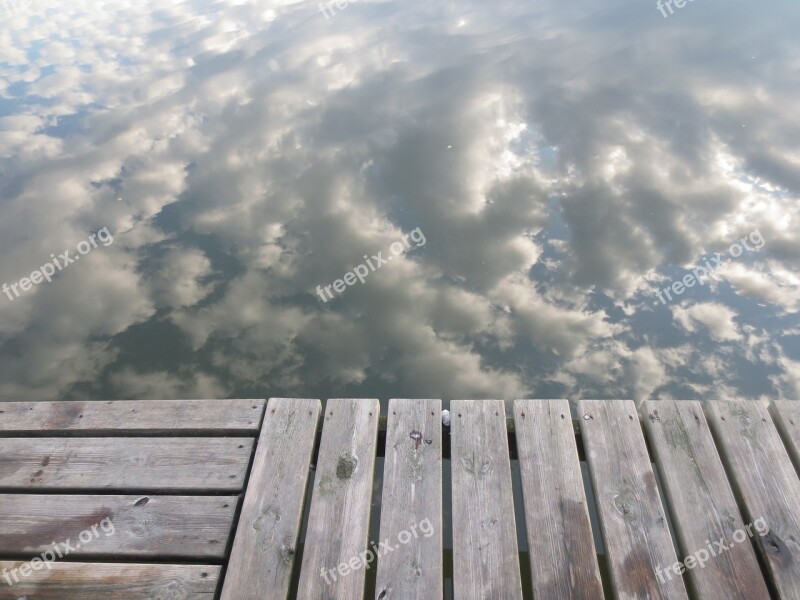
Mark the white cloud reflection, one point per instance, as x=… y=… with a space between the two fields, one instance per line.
x=563 y=162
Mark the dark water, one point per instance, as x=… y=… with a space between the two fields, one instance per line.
x=553 y=165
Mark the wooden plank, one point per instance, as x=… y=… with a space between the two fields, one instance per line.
x=786 y=415
x=560 y=543
x=632 y=519
x=411 y=516
x=510 y=426
x=162 y=526
x=485 y=551
x=133 y=416
x=701 y=502
x=338 y=524
x=98 y=581
x=264 y=548
x=210 y=464
x=767 y=484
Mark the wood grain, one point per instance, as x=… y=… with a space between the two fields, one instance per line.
x=786 y=415
x=338 y=523
x=265 y=545
x=98 y=581
x=485 y=551
x=632 y=519
x=133 y=416
x=701 y=502
x=412 y=502
x=766 y=483
x=194 y=527
x=207 y=464
x=560 y=544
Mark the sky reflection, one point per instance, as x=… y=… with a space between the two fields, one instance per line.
x=565 y=161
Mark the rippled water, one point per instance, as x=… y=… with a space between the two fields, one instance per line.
x=564 y=163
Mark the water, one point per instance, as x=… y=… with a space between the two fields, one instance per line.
x=554 y=167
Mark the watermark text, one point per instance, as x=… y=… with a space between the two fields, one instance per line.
x=366 y=558
x=700 y=273
x=702 y=556
x=371 y=265
x=48 y=270
x=59 y=550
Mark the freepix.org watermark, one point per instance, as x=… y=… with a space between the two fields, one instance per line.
x=327 y=7
x=59 y=550
x=702 y=556
x=702 y=272
x=664 y=6
x=366 y=558
x=360 y=272
x=47 y=271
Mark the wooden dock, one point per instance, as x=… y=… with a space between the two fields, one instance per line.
x=255 y=500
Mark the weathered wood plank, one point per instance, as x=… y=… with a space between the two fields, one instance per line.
x=766 y=481
x=163 y=526
x=632 y=519
x=786 y=415
x=411 y=514
x=701 y=502
x=133 y=416
x=263 y=552
x=485 y=551
x=212 y=464
x=338 y=524
x=560 y=544
x=510 y=427
x=98 y=581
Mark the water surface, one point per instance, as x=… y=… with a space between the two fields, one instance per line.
x=564 y=163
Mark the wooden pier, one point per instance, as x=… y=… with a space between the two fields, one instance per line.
x=256 y=500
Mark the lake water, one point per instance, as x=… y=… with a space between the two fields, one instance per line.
x=585 y=199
